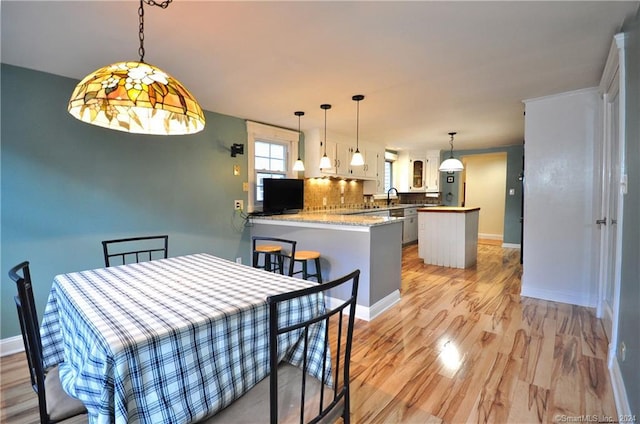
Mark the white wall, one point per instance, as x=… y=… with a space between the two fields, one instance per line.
x=559 y=218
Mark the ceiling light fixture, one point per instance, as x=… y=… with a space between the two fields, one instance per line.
x=137 y=97
x=452 y=164
x=357 y=159
x=298 y=165
x=325 y=162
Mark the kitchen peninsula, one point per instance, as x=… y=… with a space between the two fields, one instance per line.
x=372 y=244
x=448 y=236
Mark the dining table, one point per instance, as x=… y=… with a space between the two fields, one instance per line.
x=170 y=340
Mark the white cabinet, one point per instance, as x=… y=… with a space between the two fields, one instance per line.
x=432 y=174
x=410 y=225
x=339 y=151
x=419 y=171
x=374 y=169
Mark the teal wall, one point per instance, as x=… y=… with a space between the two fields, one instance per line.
x=512 y=207
x=67 y=185
x=630 y=276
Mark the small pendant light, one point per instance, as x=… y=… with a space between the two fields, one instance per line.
x=357 y=159
x=452 y=164
x=298 y=165
x=325 y=162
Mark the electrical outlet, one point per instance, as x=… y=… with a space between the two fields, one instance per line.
x=623 y=352
x=238 y=205
x=324 y=201
x=238 y=260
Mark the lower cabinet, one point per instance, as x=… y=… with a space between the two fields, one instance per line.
x=410 y=226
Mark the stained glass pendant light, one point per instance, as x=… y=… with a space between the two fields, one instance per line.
x=298 y=165
x=357 y=159
x=452 y=164
x=137 y=97
x=325 y=162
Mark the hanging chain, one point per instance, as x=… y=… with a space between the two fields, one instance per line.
x=164 y=4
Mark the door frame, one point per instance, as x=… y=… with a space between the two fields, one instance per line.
x=611 y=168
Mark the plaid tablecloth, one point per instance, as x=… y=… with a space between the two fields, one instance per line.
x=167 y=341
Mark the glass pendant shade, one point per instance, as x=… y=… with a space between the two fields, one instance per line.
x=298 y=165
x=451 y=165
x=357 y=159
x=138 y=98
x=325 y=162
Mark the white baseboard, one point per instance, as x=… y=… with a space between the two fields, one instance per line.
x=511 y=245
x=11 y=345
x=619 y=391
x=490 y=236
x=557 y=296
x=369 y=313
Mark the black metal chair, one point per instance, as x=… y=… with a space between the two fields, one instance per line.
x=54 y=404
x=290 y=394
x=135 y=249
x=278 y=254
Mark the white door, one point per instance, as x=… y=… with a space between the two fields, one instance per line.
x=611 y=205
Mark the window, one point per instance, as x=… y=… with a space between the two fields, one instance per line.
x=388 y=175
x=271 y=153
x=270 y=162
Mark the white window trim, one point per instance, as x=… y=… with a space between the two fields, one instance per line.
x=269 y=133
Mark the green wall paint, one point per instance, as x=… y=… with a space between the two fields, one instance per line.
x=67 y=185
x=512 y=207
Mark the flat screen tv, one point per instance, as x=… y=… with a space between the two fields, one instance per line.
x=282 y=195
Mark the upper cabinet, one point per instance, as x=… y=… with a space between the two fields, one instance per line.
x=339 y=150
x=418 y=171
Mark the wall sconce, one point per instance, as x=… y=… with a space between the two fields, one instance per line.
x=237 y=149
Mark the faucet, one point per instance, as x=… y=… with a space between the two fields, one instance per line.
x=389 y=195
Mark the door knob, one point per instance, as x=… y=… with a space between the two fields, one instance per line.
x=602 y=221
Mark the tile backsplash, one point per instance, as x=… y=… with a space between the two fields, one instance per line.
x=322 y=194
x=332 y=193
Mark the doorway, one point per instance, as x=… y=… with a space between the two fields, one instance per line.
x=483 y=184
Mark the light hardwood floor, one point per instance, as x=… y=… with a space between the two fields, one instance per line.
x=462 y=346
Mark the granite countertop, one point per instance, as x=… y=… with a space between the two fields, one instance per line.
x=332 y=218
x=351 y=211
x=450 y=209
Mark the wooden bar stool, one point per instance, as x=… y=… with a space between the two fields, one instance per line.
x=274 y=253
x=303 y=256
x=270 y=252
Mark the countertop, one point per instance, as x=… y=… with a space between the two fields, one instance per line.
x=448 y=209
x=346 y=216
x=330 y=218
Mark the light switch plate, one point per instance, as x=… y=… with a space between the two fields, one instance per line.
x=236 y=170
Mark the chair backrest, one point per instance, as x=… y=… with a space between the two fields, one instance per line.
x=284 y=258
x=336 y=321
x=135 y=249
x=30 y=328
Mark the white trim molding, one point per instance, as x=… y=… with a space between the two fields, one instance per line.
x=369 y=313
x=11 y=345
x=619 y=391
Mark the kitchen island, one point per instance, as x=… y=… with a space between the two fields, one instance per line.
x=372 y=244
x=448 y=236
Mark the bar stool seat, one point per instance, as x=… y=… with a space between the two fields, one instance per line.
x=303 y=256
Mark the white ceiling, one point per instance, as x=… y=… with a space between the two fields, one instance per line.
x=426 y=68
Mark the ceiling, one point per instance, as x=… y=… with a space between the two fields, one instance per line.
x=426 y=68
